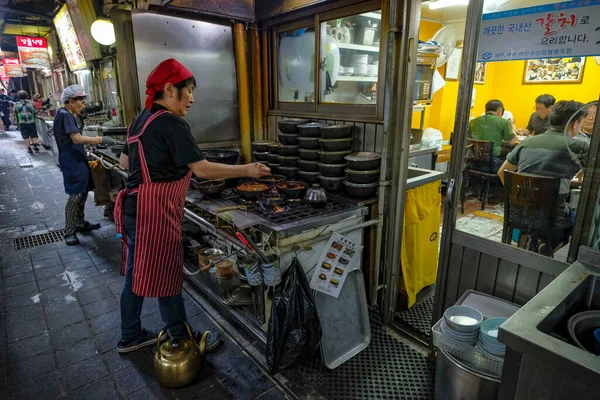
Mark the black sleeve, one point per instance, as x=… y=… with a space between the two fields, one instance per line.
x=530 y=124
x=125 y=149
x=182 y=145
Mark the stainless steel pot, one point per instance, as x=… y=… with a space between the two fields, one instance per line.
x=454 y=380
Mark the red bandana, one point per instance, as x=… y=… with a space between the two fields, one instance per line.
x=168 y=71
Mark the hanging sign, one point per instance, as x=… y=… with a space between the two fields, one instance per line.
x=68 y=39
x=12 y=67
x=568 y=29
x=33 y=52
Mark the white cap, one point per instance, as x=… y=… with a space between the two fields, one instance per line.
x=72 y=91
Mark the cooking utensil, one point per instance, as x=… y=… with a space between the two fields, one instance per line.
x=116 y=149
x=288 y=172
x=309 y=166
x=238 y=295
x=272 y=199
x=308 y=155
x=250 y=245
x=308 y=142
x=333 y=170
x=336 y=144
x=292 y=189
x=270 y=179
x=336 y=131
x=581 y=328
x=310 y=177
x=273 y=158
x=222 y=156
x=260 y=156
x=316 y=196
x=290 y=125
x=289 y=161
x=211 y=188
x=249 y=264
x=262 y=146
x=333 y=157
x=231 y=208
x=312 y=129
x=288 y=150
x=363 y=161
x=333 y=184
x=273 y=148
x=287 y=138
x=210 y=253
x=361 y=189
x=251 y=195
x=224 y=269
x=362 y=176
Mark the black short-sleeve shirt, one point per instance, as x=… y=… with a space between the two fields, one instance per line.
x=168 y=148
x=537 y=125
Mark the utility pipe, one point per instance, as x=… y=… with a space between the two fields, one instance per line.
x=257 y=89
x=241 y=47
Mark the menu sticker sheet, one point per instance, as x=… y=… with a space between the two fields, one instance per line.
x=340 y=257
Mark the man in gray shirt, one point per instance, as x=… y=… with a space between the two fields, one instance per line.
x=538 y=122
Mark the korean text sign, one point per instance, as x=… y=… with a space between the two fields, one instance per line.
x=568 y=29
x=33 y=52
x=12 y=67
x=68 y=39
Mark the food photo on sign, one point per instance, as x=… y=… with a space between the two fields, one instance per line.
x=553 y=70
x=33 y=52
x=12 y=67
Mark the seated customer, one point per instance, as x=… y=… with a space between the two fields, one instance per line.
x=588 y=124
x=538 y=122
x=552 y=154
x=492 y=127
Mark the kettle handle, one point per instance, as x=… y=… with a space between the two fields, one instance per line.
x=164 y=331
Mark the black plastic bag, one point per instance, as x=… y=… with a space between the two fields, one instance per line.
x=294 y=329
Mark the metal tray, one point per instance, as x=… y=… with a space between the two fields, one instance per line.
x=346 y=329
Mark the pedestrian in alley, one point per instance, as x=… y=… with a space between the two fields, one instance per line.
x=161 y=155
x=5 y=106
x=73 y=161
x=25 y=115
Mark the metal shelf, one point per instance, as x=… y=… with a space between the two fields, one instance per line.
x=371 y=15
x=356 y=79
x=359 y=47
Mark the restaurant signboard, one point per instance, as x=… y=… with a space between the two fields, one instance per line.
x=33 y=52
x=68 y=39
x=560 y=30
x=12 y=67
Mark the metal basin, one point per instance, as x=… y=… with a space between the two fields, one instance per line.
x=419 y=176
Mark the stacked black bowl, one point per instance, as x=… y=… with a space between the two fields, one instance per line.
x=335 y=142
x=273 y=157
x=363 y=173
x=310 y=135
x=260 y=150
x=288 y=146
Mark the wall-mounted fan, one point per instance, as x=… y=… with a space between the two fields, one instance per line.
x=446 y=37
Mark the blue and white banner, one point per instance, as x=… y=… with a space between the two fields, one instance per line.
x=568 y=29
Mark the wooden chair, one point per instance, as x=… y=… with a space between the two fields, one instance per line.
x=530 y=205
x=479 y=164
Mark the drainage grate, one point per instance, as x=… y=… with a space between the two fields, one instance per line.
x=418 y=317
x=386 y=370
x=26 y=165
x=26 y=242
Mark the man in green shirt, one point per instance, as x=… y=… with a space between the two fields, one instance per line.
x=493 y=127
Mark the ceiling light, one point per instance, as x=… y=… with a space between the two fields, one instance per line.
x=103 y=32
x=447 y=3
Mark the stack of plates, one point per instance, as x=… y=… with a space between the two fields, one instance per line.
x=359 y=63
x=462 y=323
x=488 y=337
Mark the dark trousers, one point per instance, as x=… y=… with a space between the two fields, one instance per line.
x=6 y=118
x=75 y=212
x=172 y=308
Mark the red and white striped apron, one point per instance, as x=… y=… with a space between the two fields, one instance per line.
x=158 y=259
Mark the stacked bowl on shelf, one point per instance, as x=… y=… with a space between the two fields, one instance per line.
x=363 y=173
x=260 y=150
x=310 y=135
x=287 y=148
x=336 y=143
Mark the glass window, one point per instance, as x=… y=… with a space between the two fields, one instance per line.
x=349 y=49
x=296 y=65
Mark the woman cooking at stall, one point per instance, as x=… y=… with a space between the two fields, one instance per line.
x=73 y=162
x=161 y=155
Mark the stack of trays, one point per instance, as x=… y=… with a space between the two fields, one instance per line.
x=336 y=142
x=363 y=173
x=462 y=323
x=488 y=337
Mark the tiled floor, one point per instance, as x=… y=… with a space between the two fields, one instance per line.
x=59 y=306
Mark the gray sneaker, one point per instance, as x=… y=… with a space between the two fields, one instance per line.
x=146 y=338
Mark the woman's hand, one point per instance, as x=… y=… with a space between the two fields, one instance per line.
x=257 y=170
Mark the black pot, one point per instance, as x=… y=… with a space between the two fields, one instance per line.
x=333 y=157
x=273 y=158
x=309 y=166
x=288 y=172
x=290 y=125
x=292 y=193
x=270 y=179
x=361 y=189
x=312 y=129
x=288 y=161
x=274 y=167
x=362 y=176
x=363 y=161
x=287 y=138
x=251 y=195
x=336 y=131
x=334 y=170
x=336 y=144
x=333 y=184
x=273 y=148
x=310 y=177
x=222 y=156
x=288 y=150
x=310 y=143
x=261 y=156
x=210 y=188
x=269 y=199
x=116 y=149
x=308 y=155
x=262 y=146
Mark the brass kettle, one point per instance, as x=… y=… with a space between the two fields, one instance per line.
x=177 y=362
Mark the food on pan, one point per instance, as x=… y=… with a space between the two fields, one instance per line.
x=344 y=261
x=338 y=271
x=289 y=185
x=326 y=265
x=253 y=187
x=331 y=256
x=334 y=282
x=349 y=252
x=322 y=277
x=336 y=246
